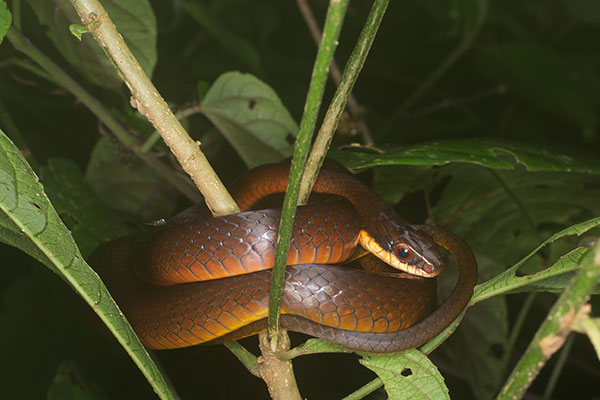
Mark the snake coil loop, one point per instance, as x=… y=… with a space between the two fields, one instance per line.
x=205 y=281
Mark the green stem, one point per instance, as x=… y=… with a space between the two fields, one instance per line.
x=338 y=104
x=146 y=99
x=365 y=390
x=514 y=334
x=331 y=31
x=29 y=66
x=15 y=10
x=63 y=79
x=245 y=357
x=443 y=336
x=554 y=330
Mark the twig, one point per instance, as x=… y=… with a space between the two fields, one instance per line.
x=146 y=99
x=355 y=108
x=245 y=357
x=364 y=390
x=181 y=114
x=333 y=26
x=517 y=326
x=278 y=374
x=334 y=112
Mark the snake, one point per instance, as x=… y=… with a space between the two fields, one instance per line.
x=197 y=280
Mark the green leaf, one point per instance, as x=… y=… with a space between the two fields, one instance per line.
x=35 y=228
x=252 y=118
x=495 y=154
x=77 y=30
x=127 y=184
x=70 y=382
x=236 y=45
x=568 y=263
x=407 y=375
x=134 y=19
x=91 y=222
x=202 y=88
x=542 y=77
x=316 y=346
x=5 y=20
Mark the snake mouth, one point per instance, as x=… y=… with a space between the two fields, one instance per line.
x=430 y=270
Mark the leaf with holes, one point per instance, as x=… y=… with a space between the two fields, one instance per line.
x=494 y=154
x=407 y=375
x=28 y=221
x=252 y=118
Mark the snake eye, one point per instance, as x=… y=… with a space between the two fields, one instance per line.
x=403 y=253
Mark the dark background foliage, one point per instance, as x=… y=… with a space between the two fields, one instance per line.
x=531 y=74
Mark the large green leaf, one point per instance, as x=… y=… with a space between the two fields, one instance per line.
x=134 y=19
x=127 y=184
x=5 y=20
x=252 y=118
x=490 y=153
x=407 y=375
x=35 y=228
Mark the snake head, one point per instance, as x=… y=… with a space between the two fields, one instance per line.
x=404 y=247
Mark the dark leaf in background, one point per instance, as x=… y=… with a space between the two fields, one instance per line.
x=127 y=184
x=91 y=222
x=71 y=382
x=134 y=19
x=543 y=77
